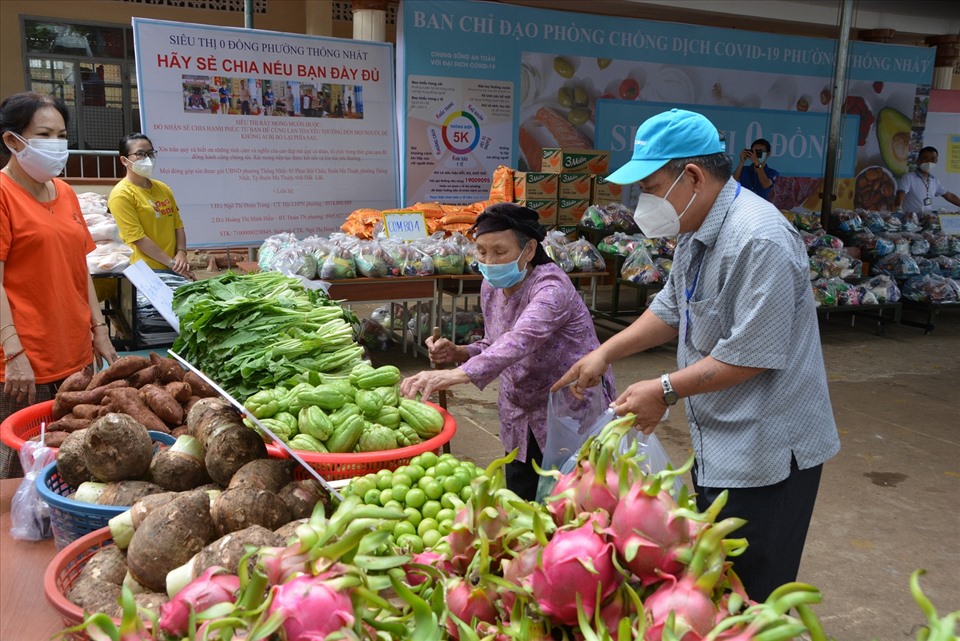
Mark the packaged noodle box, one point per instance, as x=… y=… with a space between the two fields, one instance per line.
x=575 y=161
x=546 y=208
x=575 y=185
x=570 y=211
x=529 y=185
x=606 y=192
x=501 y=187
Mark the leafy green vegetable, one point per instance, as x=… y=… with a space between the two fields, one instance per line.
x=256 y=331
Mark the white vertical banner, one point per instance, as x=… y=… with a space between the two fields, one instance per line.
x=260 y=132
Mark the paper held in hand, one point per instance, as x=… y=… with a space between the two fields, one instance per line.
x=156 y=291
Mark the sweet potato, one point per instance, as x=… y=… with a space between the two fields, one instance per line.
x=200 y=387
x=191 y=402
x=127 y=401
x=180 y=391
x=64 y=402
x=123 y=367
x=85 y=410
x=69 y=424
x=76 y=382
x=117 y=448
x=264 y=474
x=52 y=439
x=163 y=404
x=242 y=507
x=169 y=537
x=144 y=377
x=169 y=369
x=71 y=466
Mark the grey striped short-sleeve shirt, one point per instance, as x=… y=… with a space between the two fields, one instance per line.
x=740 y=291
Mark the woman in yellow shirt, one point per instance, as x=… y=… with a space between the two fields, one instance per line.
x=146 y=211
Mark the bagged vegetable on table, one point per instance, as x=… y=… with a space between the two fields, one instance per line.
x=556 y=246
x=447 y=253
x=338 y=263
x=371 y=259
x=585 y=257
x=639 y=268
x=471 y=265
x=897 y=265
x=413 y=261
x=271 y=245
x=947 y=266
x=295 y=260
x=883 y=289
x=595 y=217
x=831 y=292
x=932 y=289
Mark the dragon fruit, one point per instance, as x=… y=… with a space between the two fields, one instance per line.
x=467 y=602
x=649 y=535
x=311 y=608
x=518 y=572
x=210 y=588
x=575 y=561
x=693 y=610
x=470 y=524
x=415 y=576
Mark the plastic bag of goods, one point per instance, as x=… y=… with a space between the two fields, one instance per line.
x=556 y=246
x=339 y=263
x=109 y=258
x=897 y=265
x=939 y=242
x=622 y=216
x=295 y=260
x=447 y=253
x=931 y=289
x=413 y=261
x=271 y=245
x=947 y=266
x=371 y=259
x=874 y=222
x=828 y=241
x=883 y=289
x=471 y=265
x=847 y=221
x=833 y=292
x=318 y=246
x=595 y=217
x=919 y=246
x=586 y=257
x=663 y=265
x=638 y=267
x=834 y=263
x=104 y=230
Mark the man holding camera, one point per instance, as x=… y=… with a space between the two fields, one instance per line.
x=756 y=176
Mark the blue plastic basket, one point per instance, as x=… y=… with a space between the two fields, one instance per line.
x=71 y=519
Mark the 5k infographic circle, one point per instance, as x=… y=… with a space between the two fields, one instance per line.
x=461 y=132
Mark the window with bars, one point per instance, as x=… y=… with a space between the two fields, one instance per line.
x=91 y=67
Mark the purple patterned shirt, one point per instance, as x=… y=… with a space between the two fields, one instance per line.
x=530 y=340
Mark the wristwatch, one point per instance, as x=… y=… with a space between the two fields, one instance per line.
x=669 y=396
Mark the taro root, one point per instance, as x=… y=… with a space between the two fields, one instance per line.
x=119 y=493
x=117 y=448
x=242 y=507
x=289 y=530
x=226 y=552
x=123 y=525
x=94 y=596
x=180 y=467
x=108 y=565
x=169 y=537
x=70 y=460
x=301 y=497
x=264 y=474
x=203 y=411
x=228 y=444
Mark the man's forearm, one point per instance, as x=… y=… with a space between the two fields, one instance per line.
x=646 y=332
x=710 y=375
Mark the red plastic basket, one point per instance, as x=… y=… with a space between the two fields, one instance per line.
x=63 y=572
x=20 y=427
x=345 y=466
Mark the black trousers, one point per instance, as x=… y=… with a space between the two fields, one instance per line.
x=778 y=517
x=521 y=477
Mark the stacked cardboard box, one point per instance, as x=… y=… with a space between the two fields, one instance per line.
x=570 y=181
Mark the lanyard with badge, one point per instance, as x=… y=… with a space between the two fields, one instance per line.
x=688 y=292
x=927 y=201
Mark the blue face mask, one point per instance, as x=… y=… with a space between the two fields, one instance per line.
x=503 y=275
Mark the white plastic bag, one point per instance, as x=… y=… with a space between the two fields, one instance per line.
x=570 y=423
x=29 y=514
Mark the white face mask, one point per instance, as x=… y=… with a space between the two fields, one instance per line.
x=656 y=216
x=928 y=166
x=143 y=167
x=42 y=158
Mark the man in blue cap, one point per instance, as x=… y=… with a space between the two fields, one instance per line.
x=750 y=368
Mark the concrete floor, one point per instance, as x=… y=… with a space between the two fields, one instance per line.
x=889 y=503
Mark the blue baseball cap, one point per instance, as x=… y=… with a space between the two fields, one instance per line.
x=669 y=135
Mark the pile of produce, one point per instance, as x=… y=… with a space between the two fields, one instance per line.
x=450 y=219
x=612 y=555
x=208 y=497
x=361 y=412
x=260 y=330
x=156 y=392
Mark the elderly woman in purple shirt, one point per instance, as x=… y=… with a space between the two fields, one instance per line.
x=536 y=327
